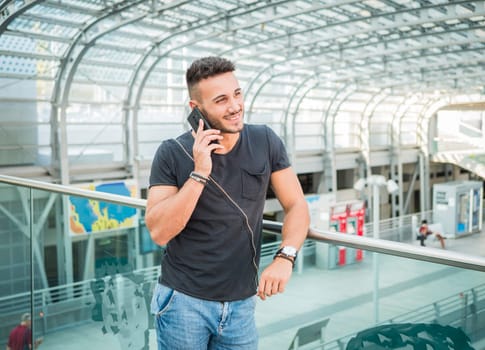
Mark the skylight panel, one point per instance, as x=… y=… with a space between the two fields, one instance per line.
x=225 y=5
x=57 y=13
x=201 y=10
x=93 y=5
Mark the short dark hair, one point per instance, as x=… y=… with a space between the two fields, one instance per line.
x=206 y=67
x=424 y=222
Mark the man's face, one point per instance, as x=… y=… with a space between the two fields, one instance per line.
x=221 y=100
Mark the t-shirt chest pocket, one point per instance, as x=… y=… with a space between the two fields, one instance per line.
x=254 y=181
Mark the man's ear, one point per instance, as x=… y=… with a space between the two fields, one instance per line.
x=192 y=104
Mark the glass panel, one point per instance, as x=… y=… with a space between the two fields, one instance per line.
x=409 y=291
x=15 y=258
x=94 y=269
x=108 y=55
x=94 y=279
x=53 y=13
x=47 y=240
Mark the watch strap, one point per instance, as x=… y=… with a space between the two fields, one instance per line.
x=286 y=257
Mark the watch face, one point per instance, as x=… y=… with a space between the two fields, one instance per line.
x=291 y=251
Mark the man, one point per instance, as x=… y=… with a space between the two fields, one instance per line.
x=424 y=232
x=21 y=336
x=205 y=202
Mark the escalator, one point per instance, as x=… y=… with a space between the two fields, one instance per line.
x=465 y=148
x=473 y=161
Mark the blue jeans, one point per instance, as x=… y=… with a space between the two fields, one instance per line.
x=183 y=322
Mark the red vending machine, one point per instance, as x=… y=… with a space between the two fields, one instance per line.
x=355 y=225
x=338 y=223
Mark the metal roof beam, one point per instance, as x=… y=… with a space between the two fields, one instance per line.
x=374 y=25
x=11 y=9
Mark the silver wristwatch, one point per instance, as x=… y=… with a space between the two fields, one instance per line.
x=288 y=251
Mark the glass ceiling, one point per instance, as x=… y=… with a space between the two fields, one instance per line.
x=299 y=62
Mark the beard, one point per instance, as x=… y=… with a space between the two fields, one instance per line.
x=219 y=125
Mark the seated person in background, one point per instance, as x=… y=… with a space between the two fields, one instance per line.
x=424 y=232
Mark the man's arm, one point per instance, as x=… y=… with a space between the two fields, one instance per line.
x=8 y=342
x=295 y=228
x=38 y=342
x=296 y=222
x=169 y=209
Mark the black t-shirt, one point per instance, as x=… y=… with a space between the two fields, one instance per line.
x=215 y=257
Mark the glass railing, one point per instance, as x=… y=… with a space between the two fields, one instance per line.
x=351 y=299
x=85 y=271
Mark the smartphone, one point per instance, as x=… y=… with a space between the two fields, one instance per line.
x=194 y=118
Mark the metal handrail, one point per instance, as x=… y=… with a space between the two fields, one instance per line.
x=73 y=191
x=404 y=250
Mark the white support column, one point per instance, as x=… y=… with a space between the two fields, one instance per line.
x=375 y=256
x=376 y=181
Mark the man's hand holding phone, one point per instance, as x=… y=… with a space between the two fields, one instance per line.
x=206 y=140
x=196 y=118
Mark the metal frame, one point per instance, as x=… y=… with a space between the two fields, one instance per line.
x=396 y=46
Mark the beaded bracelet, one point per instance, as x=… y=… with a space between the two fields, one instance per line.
x=199 y=178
